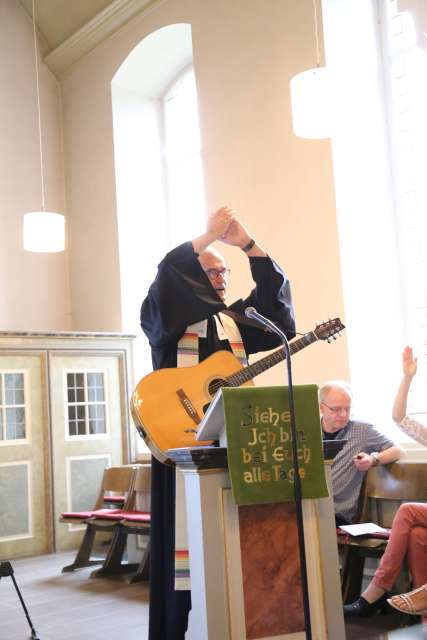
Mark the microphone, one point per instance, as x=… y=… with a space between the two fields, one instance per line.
x=252 y=313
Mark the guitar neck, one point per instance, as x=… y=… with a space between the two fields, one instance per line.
x=249 y=372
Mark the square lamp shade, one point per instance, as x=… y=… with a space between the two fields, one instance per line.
x=44 y=232
x=311 y=104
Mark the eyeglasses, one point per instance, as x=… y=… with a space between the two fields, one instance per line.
x=338 y=409
x=213 y=274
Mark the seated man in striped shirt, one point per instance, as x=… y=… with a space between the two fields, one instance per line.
x=365 y=447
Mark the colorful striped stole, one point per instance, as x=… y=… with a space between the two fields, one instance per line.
x=188 y=356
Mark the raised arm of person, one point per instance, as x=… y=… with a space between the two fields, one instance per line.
x=238 y=236
x=409 y=364
x=182 y=293
x=271 y=295
x=411 y=427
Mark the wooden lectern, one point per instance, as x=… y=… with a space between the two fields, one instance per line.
x=244 y=561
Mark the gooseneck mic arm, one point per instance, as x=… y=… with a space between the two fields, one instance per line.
x=252 y=313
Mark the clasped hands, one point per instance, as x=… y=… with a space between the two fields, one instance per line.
x=224 y=225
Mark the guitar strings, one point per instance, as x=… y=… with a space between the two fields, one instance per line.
x=262 y=365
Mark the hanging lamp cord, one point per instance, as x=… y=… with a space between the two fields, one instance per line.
x=38 y=106
x=316 y=34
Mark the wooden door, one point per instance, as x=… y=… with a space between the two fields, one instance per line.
x=89 y=430
x=26 y=512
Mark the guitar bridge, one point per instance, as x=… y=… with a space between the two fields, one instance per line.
x=188 y=406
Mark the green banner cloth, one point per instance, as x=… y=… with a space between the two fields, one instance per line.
x=259 y=443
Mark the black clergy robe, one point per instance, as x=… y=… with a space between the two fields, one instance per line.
x=181 y=295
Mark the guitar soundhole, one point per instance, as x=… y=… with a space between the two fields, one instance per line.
x=213 y=387
x=215 y=384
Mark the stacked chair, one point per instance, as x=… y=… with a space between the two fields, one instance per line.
x=129 y=522
x=122 y=489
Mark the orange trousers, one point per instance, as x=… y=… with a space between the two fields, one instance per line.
x=408 y=538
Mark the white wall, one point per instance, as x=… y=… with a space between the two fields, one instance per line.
x=33 y=287
x=244 y=56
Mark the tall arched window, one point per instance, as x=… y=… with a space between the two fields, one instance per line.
x=378 y=148
x=405 y=67
x=159 y=177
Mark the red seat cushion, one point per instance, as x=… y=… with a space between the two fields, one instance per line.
x=115 y=499
x=136 y=516
x=107 y=514
x=81 y=515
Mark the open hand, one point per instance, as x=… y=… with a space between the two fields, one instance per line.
x=409 y=363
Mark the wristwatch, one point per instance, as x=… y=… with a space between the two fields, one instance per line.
x=248 y=246
x=375 y=456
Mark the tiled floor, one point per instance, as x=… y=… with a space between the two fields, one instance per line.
x=72 y=606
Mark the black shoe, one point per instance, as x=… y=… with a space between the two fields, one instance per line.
x=361 y=608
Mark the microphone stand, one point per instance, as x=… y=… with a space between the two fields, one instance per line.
x=270 y=326
x=7 y=570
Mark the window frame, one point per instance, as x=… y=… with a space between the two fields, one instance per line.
x=5 y=442
x=87 y=436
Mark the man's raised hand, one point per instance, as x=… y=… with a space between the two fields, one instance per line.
x=236 y=234
x=219 y=222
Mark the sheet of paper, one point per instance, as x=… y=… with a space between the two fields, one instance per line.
x=363 y=529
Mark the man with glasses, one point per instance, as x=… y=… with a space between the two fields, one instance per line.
x=183 y=319
x=365 y=447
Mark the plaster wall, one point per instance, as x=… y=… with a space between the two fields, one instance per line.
x=33 y=287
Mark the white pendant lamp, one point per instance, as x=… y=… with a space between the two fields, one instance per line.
x=44 y=231
x=310 y=98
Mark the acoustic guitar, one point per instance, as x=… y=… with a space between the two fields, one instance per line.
x=168 y=404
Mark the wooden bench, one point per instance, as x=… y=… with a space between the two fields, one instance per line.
x=384 y=489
